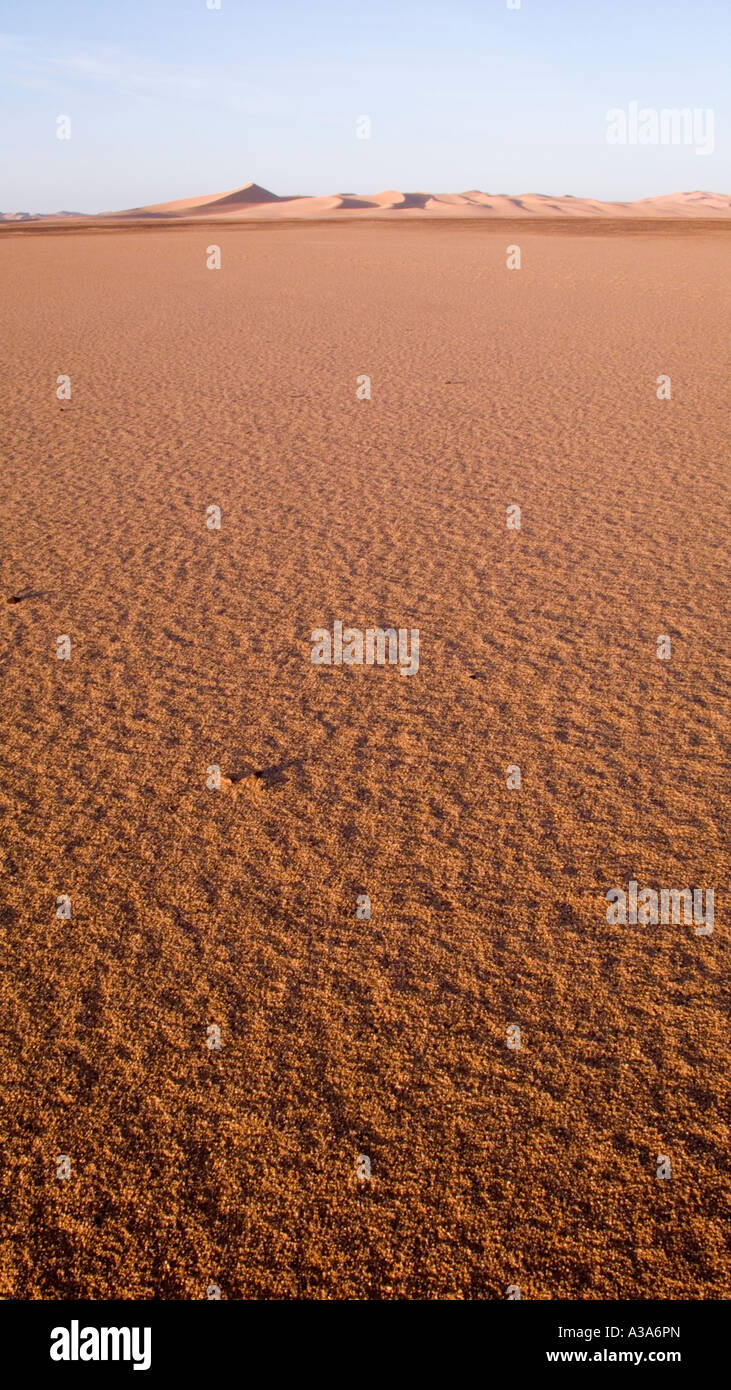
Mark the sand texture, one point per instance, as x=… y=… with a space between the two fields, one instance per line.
x=190 y=647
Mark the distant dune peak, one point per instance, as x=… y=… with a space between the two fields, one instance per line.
x=248 y=193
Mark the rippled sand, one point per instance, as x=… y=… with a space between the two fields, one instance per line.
x=190 y=648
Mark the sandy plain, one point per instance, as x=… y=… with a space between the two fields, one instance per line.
x=190 y=647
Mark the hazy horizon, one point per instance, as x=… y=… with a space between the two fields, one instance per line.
x=182 y=100
x=364 y=193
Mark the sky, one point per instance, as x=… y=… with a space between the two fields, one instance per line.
x=170 y=99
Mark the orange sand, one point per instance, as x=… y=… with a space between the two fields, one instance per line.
x=191 y=647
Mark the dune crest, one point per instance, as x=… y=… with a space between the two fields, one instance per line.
x=253 y=202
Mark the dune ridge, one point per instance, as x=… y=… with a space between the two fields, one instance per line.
x=251 y=201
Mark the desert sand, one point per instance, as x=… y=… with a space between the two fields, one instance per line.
x=252 y=202
x=190 y=647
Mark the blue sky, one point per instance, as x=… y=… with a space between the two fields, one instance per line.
x=171 y=99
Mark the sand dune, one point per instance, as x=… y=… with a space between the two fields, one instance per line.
x=253 y=202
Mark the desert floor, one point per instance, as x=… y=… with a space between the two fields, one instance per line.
x=191 y=647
